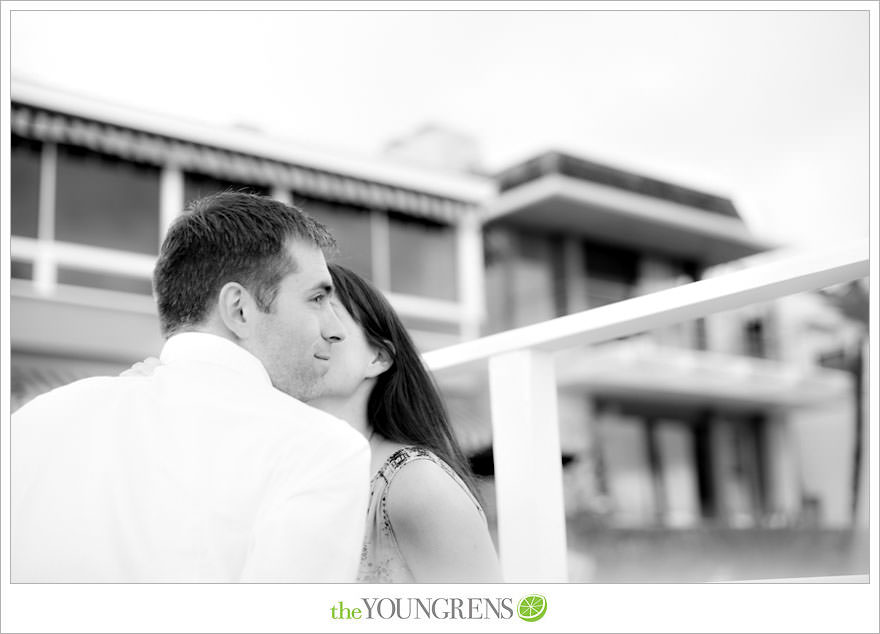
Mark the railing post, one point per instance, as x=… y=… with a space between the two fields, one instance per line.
x=45 y=266
x=528 y=467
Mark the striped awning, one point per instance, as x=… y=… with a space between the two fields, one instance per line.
x=135 y=145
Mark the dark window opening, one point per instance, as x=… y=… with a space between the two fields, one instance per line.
x=612 y=273
x=703 y=461
x=106 y=202
x=755 y=338
x=423 y=257
x=350 y=226
x=22 y=270
x=24 y=185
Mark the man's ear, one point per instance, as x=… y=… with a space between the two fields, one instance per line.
x=236 y=307
x=381 y=361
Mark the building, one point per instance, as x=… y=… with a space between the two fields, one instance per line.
x=728 y=424
x=94 y=187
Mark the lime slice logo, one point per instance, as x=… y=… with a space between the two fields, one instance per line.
x=532 y=607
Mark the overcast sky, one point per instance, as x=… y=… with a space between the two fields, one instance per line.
x=770 y=108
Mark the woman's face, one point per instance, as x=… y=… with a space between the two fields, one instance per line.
x=351 y=360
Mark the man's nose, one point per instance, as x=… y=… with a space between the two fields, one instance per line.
x=333 y=330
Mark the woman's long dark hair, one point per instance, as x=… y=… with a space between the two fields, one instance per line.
x=405 y=405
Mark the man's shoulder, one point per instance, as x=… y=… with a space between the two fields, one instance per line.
x=81 y=391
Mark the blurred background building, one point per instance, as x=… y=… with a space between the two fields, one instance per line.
x=730 y=447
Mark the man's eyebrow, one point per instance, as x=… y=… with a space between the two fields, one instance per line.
x=327 y=287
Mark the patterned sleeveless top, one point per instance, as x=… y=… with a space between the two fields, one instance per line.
x=381 y=559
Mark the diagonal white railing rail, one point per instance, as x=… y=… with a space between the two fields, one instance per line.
x=522 y=387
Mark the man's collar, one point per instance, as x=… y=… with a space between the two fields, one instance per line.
x=202 y=347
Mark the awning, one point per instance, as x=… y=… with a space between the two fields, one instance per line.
x=134 y=145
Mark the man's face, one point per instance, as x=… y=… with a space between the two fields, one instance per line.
x=294 y=339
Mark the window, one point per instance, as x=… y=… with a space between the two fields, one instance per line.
x=626 y=460
x=351 y=228
x=525 y=278
x=25 y=186
x=200 y=185
x=22 y=270
x=754 y=338
x=106 y=202
x=612 y=273
x=423 y=258
x=498 y=249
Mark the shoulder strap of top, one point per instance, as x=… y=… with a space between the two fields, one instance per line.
x=399 y=458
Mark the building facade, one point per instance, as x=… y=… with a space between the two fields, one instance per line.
x=687 y=425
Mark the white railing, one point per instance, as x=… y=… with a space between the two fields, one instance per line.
x=522 y=388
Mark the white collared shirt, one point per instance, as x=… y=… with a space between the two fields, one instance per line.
x=200 y=471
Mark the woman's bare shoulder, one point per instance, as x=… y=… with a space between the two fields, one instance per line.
x=424 y=493
x=439 y=528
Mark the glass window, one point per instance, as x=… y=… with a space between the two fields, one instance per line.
x=497 y=250
x=423 y=258
x=108 y=281
x=25 y=186
x=106 y=202
x=626 y=460
x=755 y=338
x=351 y=228
x=612 y=273
x=22 y=270
x=533 y=275
x=525 y=277
x=199 y=185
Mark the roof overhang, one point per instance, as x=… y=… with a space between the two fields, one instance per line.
x=575 y=207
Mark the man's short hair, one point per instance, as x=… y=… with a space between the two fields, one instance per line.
x=228 y=237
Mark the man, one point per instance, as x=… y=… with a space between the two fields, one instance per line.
x=210 y=467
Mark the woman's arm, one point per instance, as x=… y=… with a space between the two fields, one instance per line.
x=440 y=532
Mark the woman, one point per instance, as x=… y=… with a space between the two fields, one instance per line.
x=424 y=523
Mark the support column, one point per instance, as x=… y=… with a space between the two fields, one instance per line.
x=380 y=236
x=282 y=194
x=170 y=197
x=471 y=274
x=783 y=487
x=528 y=469
x=45 y=267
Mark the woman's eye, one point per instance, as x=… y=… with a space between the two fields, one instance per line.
x=318 y=299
